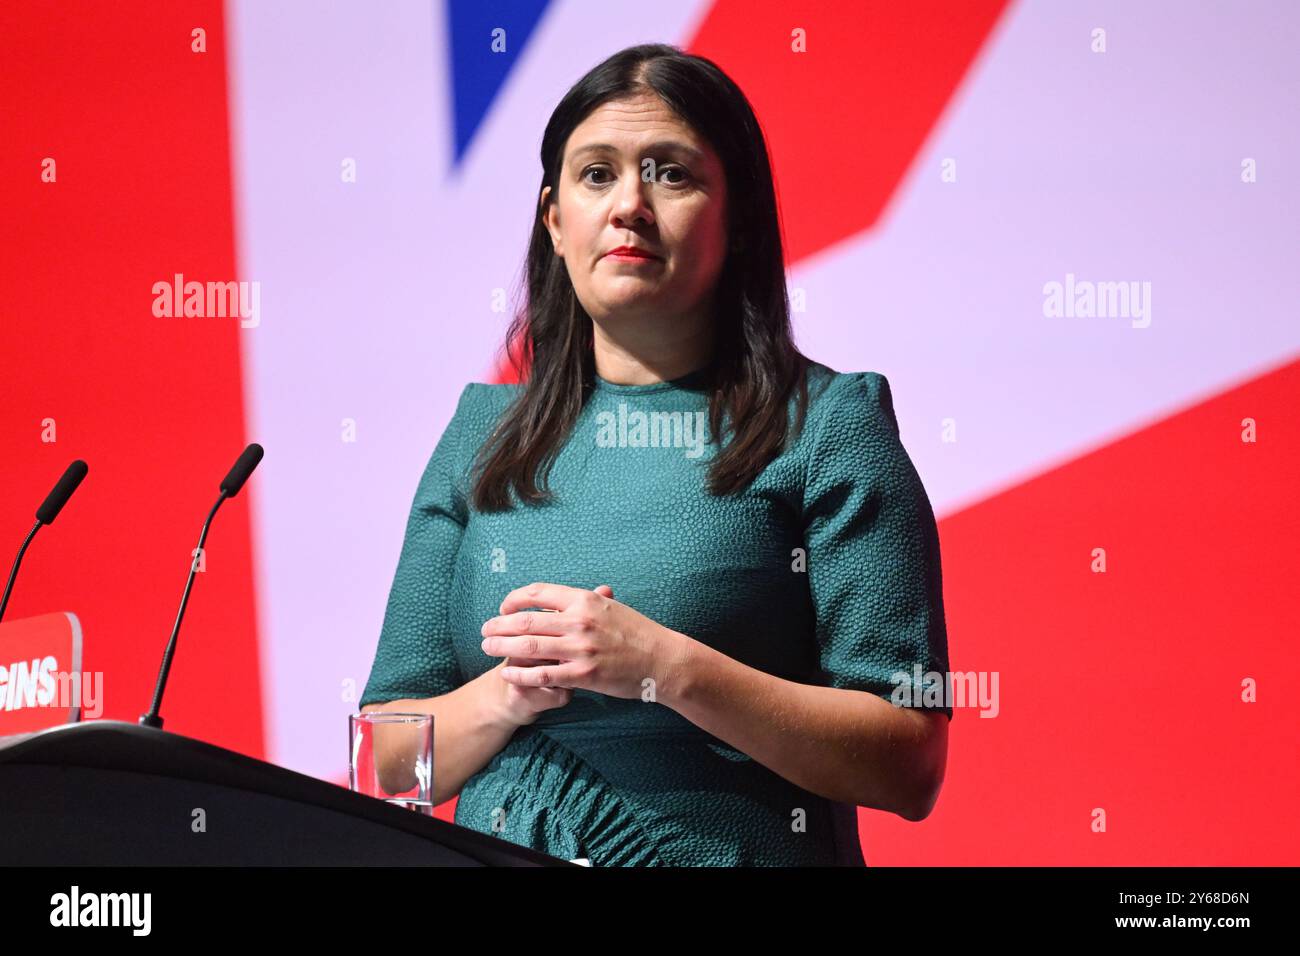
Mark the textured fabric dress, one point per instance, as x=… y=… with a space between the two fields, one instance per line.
x=825 y=570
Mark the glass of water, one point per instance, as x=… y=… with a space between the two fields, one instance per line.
x=390 y=756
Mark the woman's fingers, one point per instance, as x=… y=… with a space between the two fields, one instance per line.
x=532 y=621
x=557 y=646
x=561 y=674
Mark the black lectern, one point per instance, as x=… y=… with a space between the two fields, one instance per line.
x=110 y=793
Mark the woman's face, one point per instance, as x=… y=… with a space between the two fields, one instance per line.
x=636 y=175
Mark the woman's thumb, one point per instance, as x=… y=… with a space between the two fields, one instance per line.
x=605 y=590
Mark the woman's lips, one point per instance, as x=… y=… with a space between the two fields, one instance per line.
x=626 y=255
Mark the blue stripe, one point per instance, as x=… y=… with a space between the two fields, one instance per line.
x=486 y=38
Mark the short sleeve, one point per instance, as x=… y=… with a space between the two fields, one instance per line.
x=415 y=658
x=873 y=551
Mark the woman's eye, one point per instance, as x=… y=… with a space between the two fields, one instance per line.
x=676 y=171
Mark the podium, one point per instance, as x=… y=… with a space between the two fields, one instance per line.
x=111 y=793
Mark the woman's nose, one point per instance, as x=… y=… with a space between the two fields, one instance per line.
x=630 y=203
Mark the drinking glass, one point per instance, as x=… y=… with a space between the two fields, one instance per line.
x=390 y=756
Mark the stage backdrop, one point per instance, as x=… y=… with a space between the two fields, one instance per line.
x=958 y=182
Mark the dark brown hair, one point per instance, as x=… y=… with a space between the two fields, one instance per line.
x=755 y=367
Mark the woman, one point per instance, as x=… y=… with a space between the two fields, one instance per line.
x=728 y=620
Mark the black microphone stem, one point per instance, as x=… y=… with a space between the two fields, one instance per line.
x=151 y=719
x=13 y=573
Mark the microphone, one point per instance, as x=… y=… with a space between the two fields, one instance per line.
x=45 y=514
x=230 y=486
x=240 y=471
x=56 y=499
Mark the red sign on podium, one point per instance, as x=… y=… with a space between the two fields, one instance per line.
x=40 y=673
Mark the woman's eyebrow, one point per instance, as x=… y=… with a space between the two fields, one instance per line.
x=663 y=145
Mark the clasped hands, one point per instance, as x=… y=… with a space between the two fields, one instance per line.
x=581 y=640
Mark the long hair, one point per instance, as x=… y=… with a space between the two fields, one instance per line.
x=756 y=366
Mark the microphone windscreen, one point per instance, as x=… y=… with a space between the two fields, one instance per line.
x=241 y=470
x=56 y=499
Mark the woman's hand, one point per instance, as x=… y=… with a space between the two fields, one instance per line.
x=582 y=639
x=521 y=704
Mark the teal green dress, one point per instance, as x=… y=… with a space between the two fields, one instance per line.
x=825 y=570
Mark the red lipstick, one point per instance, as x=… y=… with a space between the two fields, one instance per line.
x=631 y=254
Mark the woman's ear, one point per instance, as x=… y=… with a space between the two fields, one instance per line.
x=550 y=219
